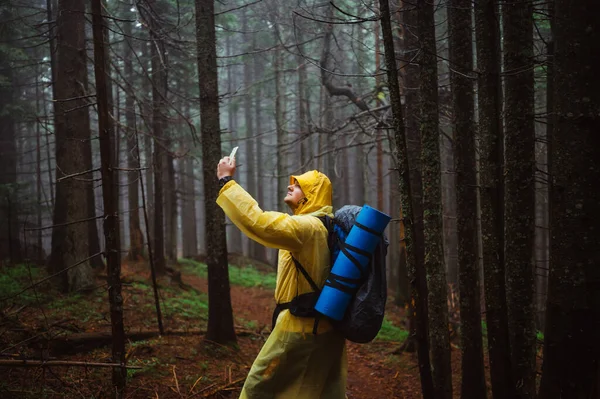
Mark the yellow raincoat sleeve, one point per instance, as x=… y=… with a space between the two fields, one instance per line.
x=271 y=229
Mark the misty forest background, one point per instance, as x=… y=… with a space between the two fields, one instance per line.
x=475 y=125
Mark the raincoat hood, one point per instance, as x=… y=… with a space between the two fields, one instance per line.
x=317 y=189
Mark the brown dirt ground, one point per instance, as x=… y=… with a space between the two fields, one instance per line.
x=190 y=367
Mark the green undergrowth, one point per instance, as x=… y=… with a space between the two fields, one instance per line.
x=189 y=305
x=390 y=332
x=245 y=276
x=150 y=367
x=78 y=306
x=13 y=279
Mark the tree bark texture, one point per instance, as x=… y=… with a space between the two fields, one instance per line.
x=92 y=226
x=519 y=197
x=447 y=150
x=461 y=62
x=415 y=266
x=190 y=233
x=279 y=125
x=93 y=236
x=413 y=148
x=146 y=128
x=70 y=243
x=260 y=251
x=159 y=92
x=492 y=195
x=171 y=206
x=250 y=161
x=220 y=314
x=10 y=247
x=136 y=240
x=542 y=191
x=303 y=132
x=111 y=212
x=571 y=367
x=187 y=188
x=408 y=16
x=356 y=169
x=39 y=256
x=439 y=334
x=234 y=235
x=52 y=49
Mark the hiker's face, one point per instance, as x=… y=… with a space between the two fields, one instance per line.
x=294 y=195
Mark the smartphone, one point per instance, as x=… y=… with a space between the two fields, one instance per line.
x=232 y=155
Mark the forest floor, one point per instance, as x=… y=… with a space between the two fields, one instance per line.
x=181 y=363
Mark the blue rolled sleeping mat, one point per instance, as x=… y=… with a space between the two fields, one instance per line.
x=350 y=267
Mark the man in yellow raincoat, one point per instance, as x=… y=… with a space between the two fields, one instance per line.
x=294 y=362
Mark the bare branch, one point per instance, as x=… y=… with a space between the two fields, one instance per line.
x=85 y=172
x=327 y=79
x=50 y=363
x=63 y=224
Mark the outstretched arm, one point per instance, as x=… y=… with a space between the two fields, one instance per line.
x=272 y=229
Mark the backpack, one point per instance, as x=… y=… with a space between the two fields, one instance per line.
x=364 y=315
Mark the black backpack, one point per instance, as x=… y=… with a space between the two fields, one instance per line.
x=364 y=315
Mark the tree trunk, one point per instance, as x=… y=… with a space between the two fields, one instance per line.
x=159 y=92
x=303 y=134
x=39 y=256
x=250 y=162
x=260 y=250
x=190 y=234
x=328 y=119
x=220 y=315
x=10 y=247
x=378 y=131
x=149 y=178
x=93 y=236
x=111 y=213
x=187 y=188
x=115 y=137
x=279 y=126
x=439 y=334
x=520 y=190
x=357 y=170
x=92 y=226
x=492 y=201
x=136 y=240
x=171 y=207
x=415 y=260
x=406 y=47
x=120 y=203
x=542 y=261
x=571 y=366
x=183 y=203
x=543 y=46
x=447 y=150
x=330 y=142
x=461 y=61
x=52 y=48
x=146 y=123
x=234 y=235
x=72 y=134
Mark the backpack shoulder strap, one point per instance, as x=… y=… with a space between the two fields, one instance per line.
x=302 y=270
x=326 y=220
x=329 y=223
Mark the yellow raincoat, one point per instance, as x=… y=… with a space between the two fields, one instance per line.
x=293 y=363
